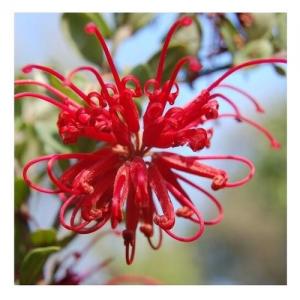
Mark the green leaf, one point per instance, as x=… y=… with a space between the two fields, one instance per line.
x=22 y=192
x=256 y=49
x=53 y=81
x=134 y=21
x=175 y=53
x=281 y=34
x=262 y=25
x=142 y=72
x=33 y=263
x=74 y=24
x=186 y=41
x=43 y=237
x=279 y=70
x=66 y=239
x=49 y=137
x=22 y=242
x=229 y=34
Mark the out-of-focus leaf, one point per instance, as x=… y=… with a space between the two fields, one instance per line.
x=59 y=85
x=255 y=49
x=138 y=103
x=279 y=70
x=33 y=263
x=280 y=41
x=134 y=21
x=84 y=144
x=22 y=242
x=46 y=135
x=21 y=192
x=142 y=72
x=88 y=46
x=189 y=36
x=175 y=52
x=186 y=41
x=66 y=239
x=229 y=34
x=262 y=26
x=26 y=150
x=43 y=238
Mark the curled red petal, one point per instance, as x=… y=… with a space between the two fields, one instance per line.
x=191 y=165
x=48 y=99
x=241 y=159
x=120 y=194
x=157 y=183
x=139 y=177
x=30 y=183
x=48 y=70
x=200 y=220
x=215 y=201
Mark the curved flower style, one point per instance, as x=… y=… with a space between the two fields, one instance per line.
x=125 y=180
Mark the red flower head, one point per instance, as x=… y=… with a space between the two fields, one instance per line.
x=125 y=181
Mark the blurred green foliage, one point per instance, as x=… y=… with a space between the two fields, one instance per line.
x=249 y=246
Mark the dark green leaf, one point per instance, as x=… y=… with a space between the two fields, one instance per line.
x=43 y=237
x=74 y=24
x=33 y=263
x=279 y=70
x=229 y=34
x=175 y=53
x=142 y=72
x=66 y=239
x=21 y=192
x=22 y=241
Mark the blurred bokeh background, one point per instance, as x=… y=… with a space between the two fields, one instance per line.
x=249 y=245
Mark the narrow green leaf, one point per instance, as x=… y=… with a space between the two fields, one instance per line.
x=279 y=70
x=53 y=81
x=43 y=237
x=229 y=34
x=33 y=263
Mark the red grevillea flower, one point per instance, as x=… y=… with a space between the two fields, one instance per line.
x=126 y=181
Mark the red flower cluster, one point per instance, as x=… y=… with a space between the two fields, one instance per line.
x=125 y=180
